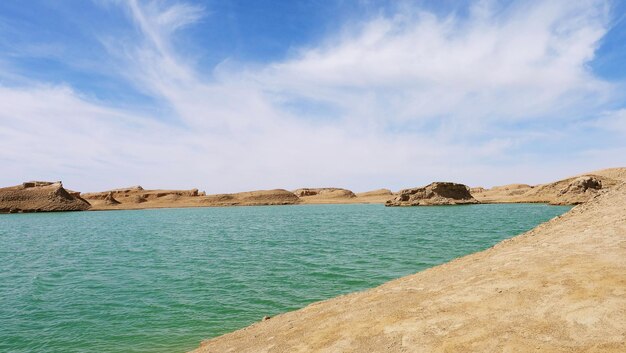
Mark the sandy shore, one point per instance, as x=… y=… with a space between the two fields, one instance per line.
x=559 y=288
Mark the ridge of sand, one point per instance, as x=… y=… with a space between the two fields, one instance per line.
x=40 y=196
x=560 y=287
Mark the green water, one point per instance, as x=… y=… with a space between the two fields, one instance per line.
x=163 y=280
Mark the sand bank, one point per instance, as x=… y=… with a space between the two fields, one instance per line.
x=560 y=287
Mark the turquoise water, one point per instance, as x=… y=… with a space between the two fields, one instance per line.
x=163 y=280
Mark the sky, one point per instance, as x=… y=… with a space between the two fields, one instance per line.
x=235 y=95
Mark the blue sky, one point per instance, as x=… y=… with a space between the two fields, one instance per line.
x=237 y=95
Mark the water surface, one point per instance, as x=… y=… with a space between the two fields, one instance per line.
x=163 y=280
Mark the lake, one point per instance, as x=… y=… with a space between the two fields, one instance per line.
x=163 y=280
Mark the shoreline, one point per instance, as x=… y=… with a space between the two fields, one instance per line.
x=160 y=207
x=310 y=204
x=559 y=287
x=42 y=196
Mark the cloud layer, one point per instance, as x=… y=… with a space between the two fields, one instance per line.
x=501 y=95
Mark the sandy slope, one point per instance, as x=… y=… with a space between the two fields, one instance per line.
x=558 y=288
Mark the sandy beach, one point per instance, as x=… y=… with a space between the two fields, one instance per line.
x=560 y=287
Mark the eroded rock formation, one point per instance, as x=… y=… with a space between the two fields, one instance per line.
x=40 y=196
x=438 y=193
x=578 y=191
x=324 y=193
x=252 y=198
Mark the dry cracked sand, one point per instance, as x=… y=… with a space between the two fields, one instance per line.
x=560 y=287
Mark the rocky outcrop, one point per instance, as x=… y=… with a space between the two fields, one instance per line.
x=324 y=193
x=438 y=193
x=477 y=190
x=40 y=196
x=137 y=199
x=110 y=200
x=132 y=194
x=570 y=191
x=578 y=191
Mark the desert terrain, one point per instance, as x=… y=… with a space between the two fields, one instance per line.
x=569 y=191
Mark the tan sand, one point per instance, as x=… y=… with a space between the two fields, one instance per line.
x=558 y=288
x=375 y=196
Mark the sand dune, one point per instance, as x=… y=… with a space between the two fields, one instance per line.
x=558 y=288
x=40 y=196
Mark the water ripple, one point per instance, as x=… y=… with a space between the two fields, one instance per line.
x=163 y=280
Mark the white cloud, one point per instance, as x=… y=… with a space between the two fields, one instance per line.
x=516 y=64
x=393 y=102
x=612 y=121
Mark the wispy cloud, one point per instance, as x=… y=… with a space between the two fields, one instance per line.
x=392 y=101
